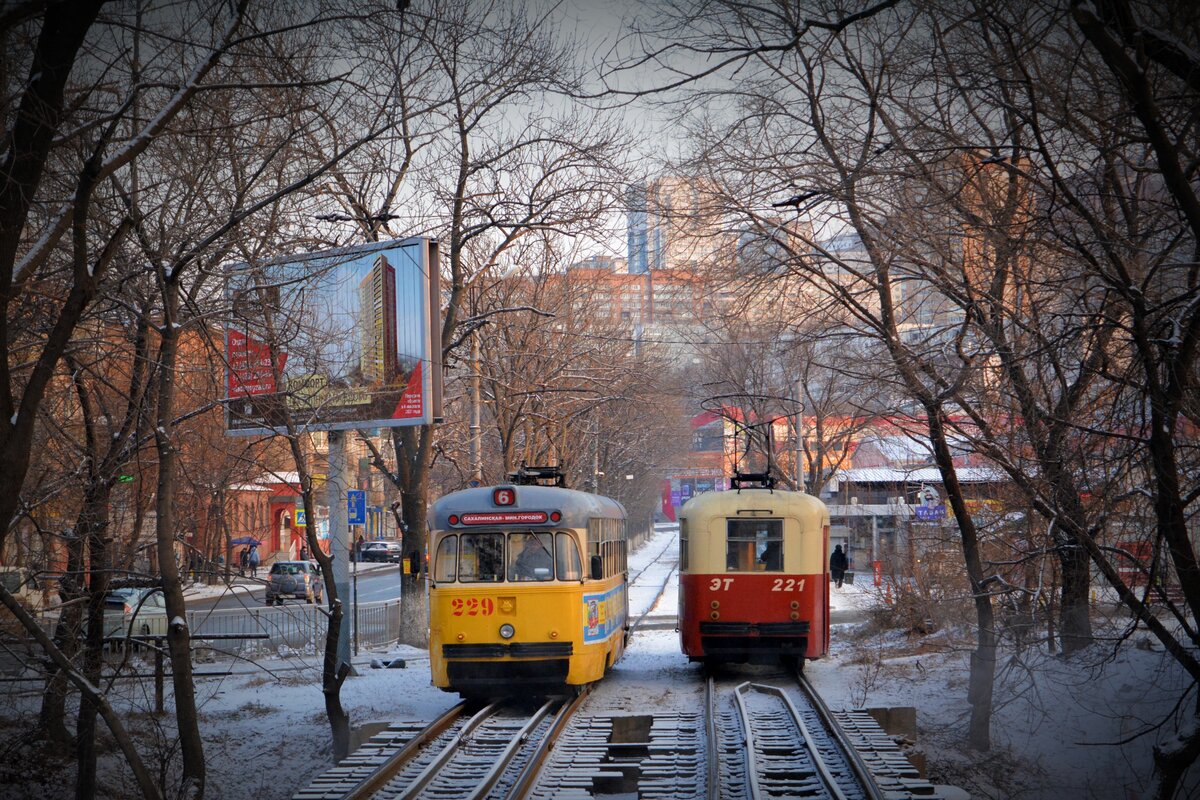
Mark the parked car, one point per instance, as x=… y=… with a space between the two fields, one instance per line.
x=23 y=585
x=142 y=612
x=300 y=580
x=382 y=550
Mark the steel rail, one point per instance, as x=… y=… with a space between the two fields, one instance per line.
x=431 y=770
x=388 y=769
x=506 y=757
x=747 y=743
x=537 y=758
x=713 y=765
x=653 y=560
x=862 y=773
x=822 y=768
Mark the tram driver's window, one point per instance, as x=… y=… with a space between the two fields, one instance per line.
x=530 y=557
x=566 y=555
x=754 y=545
x=445 y=561
x=481 y=558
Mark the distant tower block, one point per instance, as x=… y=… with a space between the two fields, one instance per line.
x=377 y=299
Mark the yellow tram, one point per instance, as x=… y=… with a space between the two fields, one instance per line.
x=527 y=587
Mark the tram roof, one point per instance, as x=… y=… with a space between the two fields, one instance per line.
x=575 y=506
x=778 y=501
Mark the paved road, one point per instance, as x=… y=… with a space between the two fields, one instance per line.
x=375 y=582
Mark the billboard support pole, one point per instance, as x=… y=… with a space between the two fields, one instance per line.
x=339 y=545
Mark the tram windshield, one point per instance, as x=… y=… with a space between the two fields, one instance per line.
x=754 y=545
x=481 y=558
x=531 y=556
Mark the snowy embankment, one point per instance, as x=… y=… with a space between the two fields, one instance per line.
x=1061 y=729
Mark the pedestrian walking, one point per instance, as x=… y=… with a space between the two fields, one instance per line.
x=243 y=561
x=838 y=564
x=253 y=561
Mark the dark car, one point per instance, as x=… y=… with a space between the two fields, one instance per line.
x=300 y=580
x=381 y=550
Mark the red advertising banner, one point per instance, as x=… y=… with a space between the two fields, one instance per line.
x=410 y=406
x=250 y=370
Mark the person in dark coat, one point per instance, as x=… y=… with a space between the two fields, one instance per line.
x=838 y=563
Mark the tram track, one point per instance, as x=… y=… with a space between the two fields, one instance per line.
x=494 y=751
x=775 y=738
x=661 y=589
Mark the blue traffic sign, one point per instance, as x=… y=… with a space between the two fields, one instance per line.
x=930 y=513
x=356 y=507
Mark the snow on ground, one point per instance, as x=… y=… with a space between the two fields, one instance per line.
x=1056 y=729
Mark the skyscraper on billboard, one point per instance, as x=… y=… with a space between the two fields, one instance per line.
x=377 y=301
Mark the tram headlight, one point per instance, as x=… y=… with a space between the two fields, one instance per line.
x=507 y=631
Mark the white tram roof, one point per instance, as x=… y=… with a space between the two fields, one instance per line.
x=780 y=502
x=575 y=506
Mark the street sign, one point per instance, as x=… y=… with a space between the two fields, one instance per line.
x=930 y=513
x=300 y=519
x=356 y=507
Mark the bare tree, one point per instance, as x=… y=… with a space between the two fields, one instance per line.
x=497 y=161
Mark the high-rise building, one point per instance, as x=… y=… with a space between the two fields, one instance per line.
x=377 y=303
x=637 y=255
x=673 y=223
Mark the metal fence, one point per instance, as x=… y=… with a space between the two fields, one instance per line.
x=291 y=629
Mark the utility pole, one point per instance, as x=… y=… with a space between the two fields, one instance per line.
x=476 y=411
x=595 y=456
x=799 y=423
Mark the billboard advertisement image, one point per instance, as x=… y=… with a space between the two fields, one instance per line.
x=334 y=340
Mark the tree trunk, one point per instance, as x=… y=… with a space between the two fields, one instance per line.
x=983 y=660
x=178 y=637
x=414 y=452
x=53 y=714
x=1075 y=628
x=1172 y=763
x=93 y=531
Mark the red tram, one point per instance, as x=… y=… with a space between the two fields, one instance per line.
x=753 y=585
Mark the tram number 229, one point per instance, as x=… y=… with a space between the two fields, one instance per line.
x=780 y=585
x=472 y=607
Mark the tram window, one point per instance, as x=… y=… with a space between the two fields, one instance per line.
x=445 y=563
x=530 y=556
x=754 y=545
x=567 y=558
x=481 y=558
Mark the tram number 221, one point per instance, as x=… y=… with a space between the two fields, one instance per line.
x=780 y=585
x=472 y=607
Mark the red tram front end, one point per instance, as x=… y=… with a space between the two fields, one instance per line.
x=753 y=585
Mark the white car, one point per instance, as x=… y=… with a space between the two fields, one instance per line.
x=121 y=609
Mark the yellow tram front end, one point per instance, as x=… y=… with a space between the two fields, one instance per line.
x=527 y=592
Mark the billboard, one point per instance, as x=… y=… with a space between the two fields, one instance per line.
x=335 y=340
